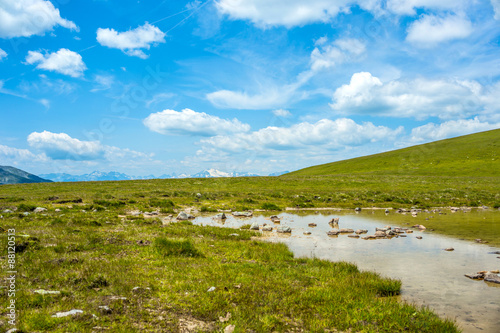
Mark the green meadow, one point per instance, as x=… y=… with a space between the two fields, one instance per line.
x=95 y=253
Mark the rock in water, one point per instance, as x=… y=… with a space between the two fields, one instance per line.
x=491 y=277
x=475 y=276
x=243 y=214
x=361 y=231
x=346 y=231
x=182 y=216
x=254 y=226
x=221 y=216
x=380 y=233
x=284 y=229
x=267 y=228
x=333 y=232
x=449 y=249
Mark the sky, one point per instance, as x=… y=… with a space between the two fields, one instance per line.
x=260 y=86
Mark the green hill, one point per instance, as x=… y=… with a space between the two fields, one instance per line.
x=470 y=155
x=11 y=175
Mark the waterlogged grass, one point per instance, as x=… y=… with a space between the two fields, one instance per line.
x=97 y=258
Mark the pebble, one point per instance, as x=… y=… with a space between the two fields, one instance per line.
x=67 y=313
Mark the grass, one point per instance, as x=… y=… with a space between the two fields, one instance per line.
x=475 y=155
x=91 y=256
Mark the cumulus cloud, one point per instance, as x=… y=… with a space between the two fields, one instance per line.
x=189 y=122
x=326 y=56
x=61 y=146
x=449 y=129
x=132 y=41
x=24 y=18
x=288 y=13
x=325 y=134
x=3 y=54
x=15 y=154
x=419 y=98
x=431 y=30
x=63 y=61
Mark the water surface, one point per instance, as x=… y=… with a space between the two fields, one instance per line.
x=431 y=276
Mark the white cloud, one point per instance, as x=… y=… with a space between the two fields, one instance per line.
x=63 y=61
x=324 y=134
x=419 y=98
x=431 y=30
x=61 y=146
x=3 y=54
x=103 y=82
x=289 y=13
x=326 y=56
x=449 y=129
x=15 y=154
x=189 y=122
x=24 y=18
x=282 y=113
x=496 y=8
x=132 y=41
x=268 y=98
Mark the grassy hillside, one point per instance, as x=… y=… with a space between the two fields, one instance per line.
x=11 y=175
x=470 y=155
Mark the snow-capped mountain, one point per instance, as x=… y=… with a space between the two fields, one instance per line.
x=102 y=176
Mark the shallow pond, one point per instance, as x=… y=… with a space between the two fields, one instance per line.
x=431 y=276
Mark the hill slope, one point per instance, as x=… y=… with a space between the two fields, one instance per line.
x=11 y=175
x=470 y=155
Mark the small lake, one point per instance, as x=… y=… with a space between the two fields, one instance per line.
x=431 y=276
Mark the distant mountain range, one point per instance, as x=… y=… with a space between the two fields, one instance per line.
x=11 y=175
x=102 y=176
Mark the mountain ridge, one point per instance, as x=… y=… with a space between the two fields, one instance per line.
x=12 y=175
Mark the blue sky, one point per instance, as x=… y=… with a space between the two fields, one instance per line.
x=149 y=87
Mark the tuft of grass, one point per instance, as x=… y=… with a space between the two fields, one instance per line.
x=173 y=247
x=269 y=206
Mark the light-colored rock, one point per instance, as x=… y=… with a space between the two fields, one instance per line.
x=361 y=231
x=67 y=313
x=57 y=210
x=211 y=289
x=333 y=232
x=40 y=210
x=254 y=226
x=307 y=232
x=312 y=225
x=370 y=237
x=346 y=231
x=475 y=276
x=267 y=228
x=47 y=292
x=140 y=290
x=382 y=229
x=284 y=229
x=275 y=219
x=353 y=236
x=104 y=309
x=234 y=235
x=242 y=214
x=380 y=233
x=229 y=329
x=226 y=318
x=409 y=231
x=7 y=211
x=357 y=209
x=183 y=216
x=491 y=277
